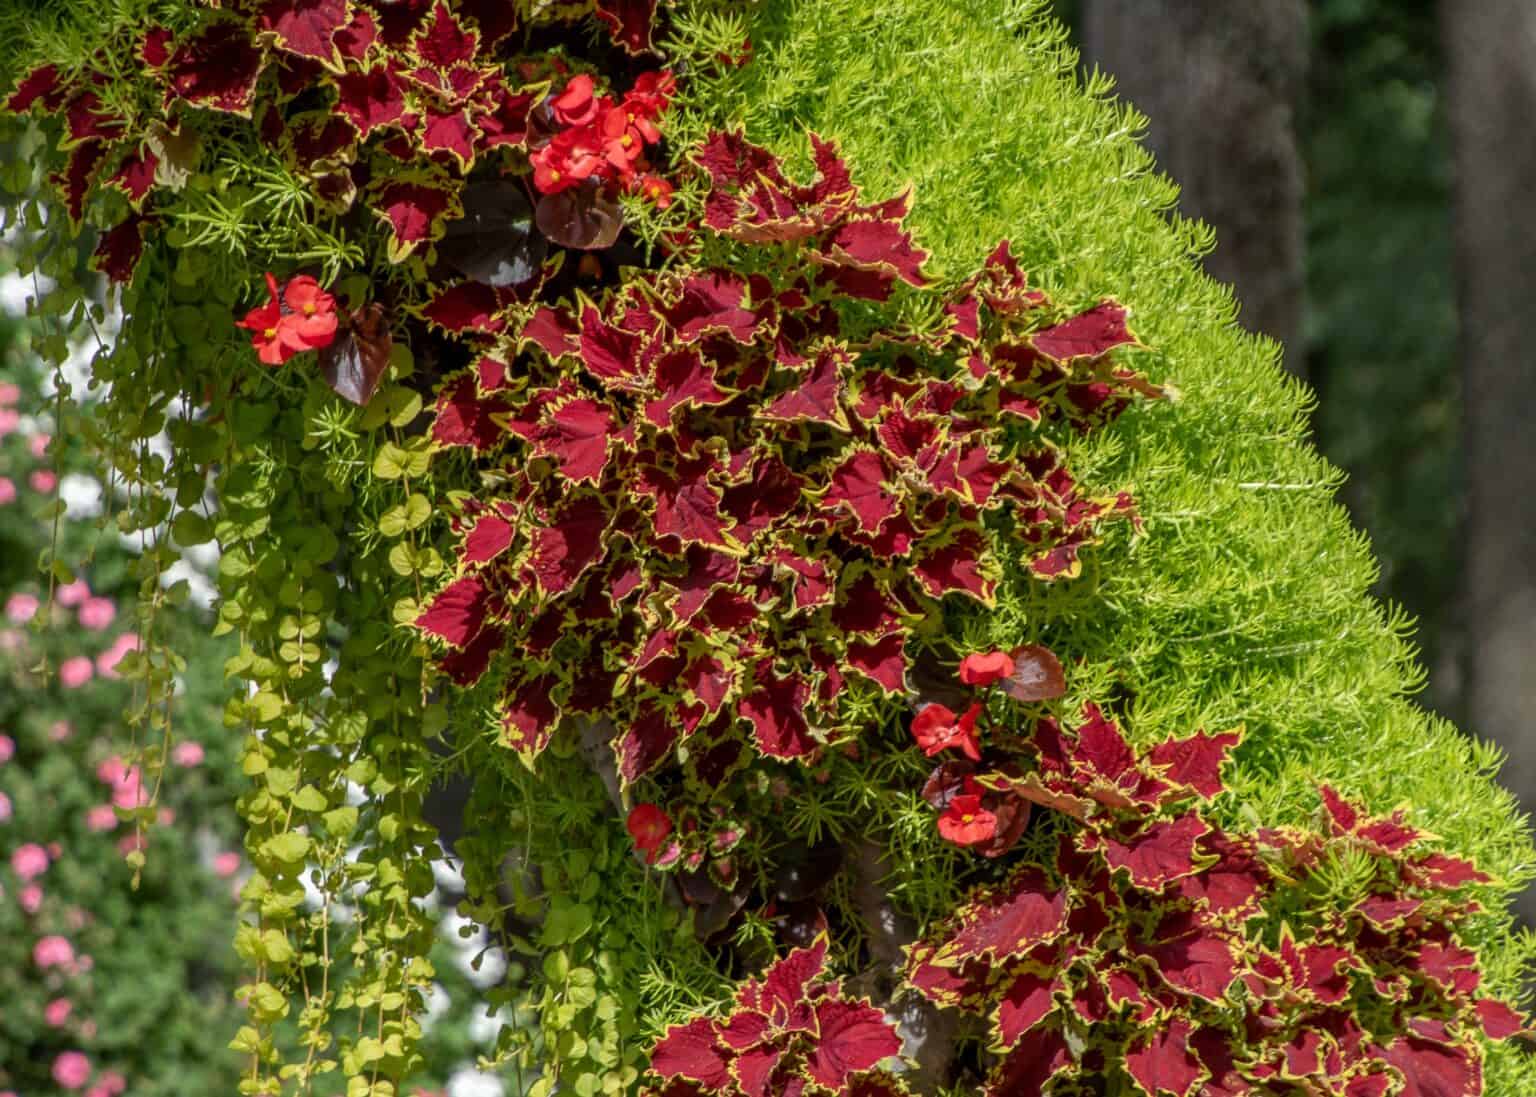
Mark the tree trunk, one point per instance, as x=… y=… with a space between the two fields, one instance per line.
x=1491 y=50
x=1221 y=83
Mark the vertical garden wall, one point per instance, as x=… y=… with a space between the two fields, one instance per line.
x=782 y=462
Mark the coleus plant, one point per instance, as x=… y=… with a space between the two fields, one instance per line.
x=718 y=503
x=1159 y=952
x=789 y=1033
x=391 y=102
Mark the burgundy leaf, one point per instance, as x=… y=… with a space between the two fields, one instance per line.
x=580 y=217
x=354 y=363
x=1037 y=675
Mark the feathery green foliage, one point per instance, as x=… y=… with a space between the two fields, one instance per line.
x=1246 y=602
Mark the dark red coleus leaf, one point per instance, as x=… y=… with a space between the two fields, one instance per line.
x=1160 y=854
x=692 y=1052
x=629 y=21
x=217 y=68
x=1027 y=1001
x=776 y=711
x=370 y=98
x=1162 y=1063
x=43 y=84
x=120 y=248
x=860 y=487
x=1087 y=335
x=570 y=544
x=457 y=612
x=1196 y=761
x=464 y=418
x=467 y=307
x=882 y=662
x=851 y=1037
x=577 y=433
x=529 y=714
x=1009 y=919
x=1432 y=1069
x=305 y=27
x=414 y=213
x=1031 y=1065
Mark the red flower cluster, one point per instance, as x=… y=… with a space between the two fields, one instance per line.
x=303 y=319
x=604 y=140
x=938 y=728
x=649 y=827
x=966 y=822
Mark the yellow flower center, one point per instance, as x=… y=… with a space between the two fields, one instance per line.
x=309 y=309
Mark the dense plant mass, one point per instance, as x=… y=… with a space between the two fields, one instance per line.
x=1156 y=946
x=607 y=494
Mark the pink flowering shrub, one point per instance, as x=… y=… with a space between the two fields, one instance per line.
x=75 y=938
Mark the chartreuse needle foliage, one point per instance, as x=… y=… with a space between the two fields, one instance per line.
x=641 y=410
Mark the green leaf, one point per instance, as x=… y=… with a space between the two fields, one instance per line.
x=310 y=799
x=289 y=847
x=341 y=822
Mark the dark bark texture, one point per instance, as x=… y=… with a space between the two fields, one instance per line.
x=1491 y=51
x=1222 y=83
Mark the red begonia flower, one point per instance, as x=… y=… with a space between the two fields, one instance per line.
x=657 y=189
x=311 y=319
x=576 y=106
x=965 y=822
x=649 y=827
x=984 y=669
x=573 y=155
x=936 y=728
x=264 y=323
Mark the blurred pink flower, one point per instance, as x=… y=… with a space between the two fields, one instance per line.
x=110 y=771
x=130 y=842
x=187 y=754
x=5 y=808
x=101 y=817
x=38 y=444
x=29 y=861
x=42 y=481
x=12 y=640
x=71 y=1070
x=7 y=491
x=106 y=662
x=85 y=963
x=59 y=730
x=97 y=613
x=30 y=898
x=9 y=394
x=226 y=864
x=56 y=1012
x=52 y=951
x=74 y=672
x=72 y=594
x=112 y=1082
x=128 y=790
x=165 y=816
x=7 y=748
x=10 y=419
x=55 y=850
x=21 y=608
